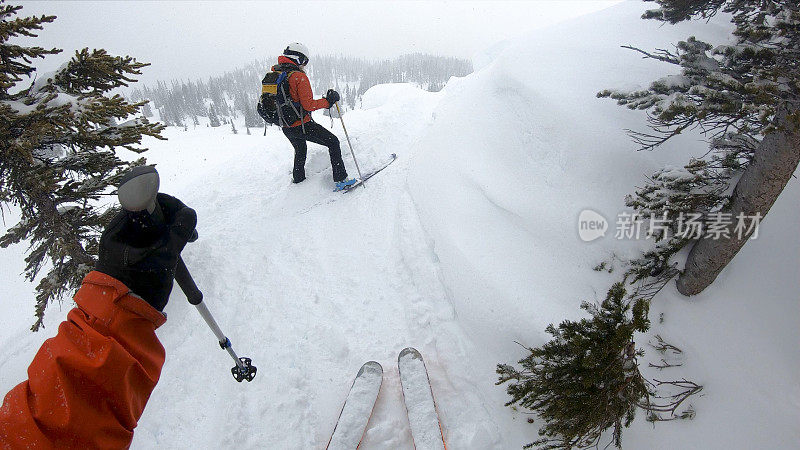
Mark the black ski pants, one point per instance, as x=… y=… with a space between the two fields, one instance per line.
x=317 y=134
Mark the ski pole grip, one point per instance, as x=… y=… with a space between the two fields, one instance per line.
x=137 y=193
x=187 y=284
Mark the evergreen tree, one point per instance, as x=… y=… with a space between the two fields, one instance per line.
x=57 y=154
x=584 y=380
x=164 y=117
x=746 y=98
x=213 y=120
x=247 y=106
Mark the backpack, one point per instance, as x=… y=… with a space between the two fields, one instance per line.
x=276 y=106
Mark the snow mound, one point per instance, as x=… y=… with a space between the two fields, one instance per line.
x=395 y=94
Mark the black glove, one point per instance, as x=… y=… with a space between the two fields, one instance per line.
x=332 y=97
x=142 y=253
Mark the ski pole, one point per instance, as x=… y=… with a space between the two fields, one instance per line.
x=244 y=369
x=360 y=177
x=137 y=194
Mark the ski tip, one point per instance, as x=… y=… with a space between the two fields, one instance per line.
x=370 y=367
x=409 y=352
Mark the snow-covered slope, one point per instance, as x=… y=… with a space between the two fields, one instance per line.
x=467 y=243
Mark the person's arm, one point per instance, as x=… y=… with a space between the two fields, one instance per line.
x=87 y=386
x=299 y=83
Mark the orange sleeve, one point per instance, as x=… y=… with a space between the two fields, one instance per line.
x=87 y=386
x=300 y=90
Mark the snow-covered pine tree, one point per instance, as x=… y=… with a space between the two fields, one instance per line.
x=251 y=117
x=246 y=106
x=57 y=153
x=584 y=381
x=745 y=97
x=163 y=117
x=213 y=120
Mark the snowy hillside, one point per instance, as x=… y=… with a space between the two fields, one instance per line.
x=467 y=243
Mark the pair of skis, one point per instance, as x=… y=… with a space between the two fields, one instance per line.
x=417 y=396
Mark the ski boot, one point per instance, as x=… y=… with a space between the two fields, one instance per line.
x=344 y=184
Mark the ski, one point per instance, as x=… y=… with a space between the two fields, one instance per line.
x=357 y=408
x=420 y=404
x=370 y=174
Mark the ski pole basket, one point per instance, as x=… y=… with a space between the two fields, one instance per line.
x=244 y=370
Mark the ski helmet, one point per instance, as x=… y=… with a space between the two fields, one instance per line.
x=297 y=52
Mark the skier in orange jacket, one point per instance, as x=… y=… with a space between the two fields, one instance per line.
x=294 y=60
x=87 y=386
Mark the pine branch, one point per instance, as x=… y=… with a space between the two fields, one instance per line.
x=660 y=54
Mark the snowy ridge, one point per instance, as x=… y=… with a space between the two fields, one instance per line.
x=465 y=244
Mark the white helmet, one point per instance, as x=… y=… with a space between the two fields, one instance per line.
x=297 y=52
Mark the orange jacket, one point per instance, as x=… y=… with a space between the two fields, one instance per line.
x=300 y=91
x=87 y=386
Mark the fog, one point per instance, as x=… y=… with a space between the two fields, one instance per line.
x=189 y=39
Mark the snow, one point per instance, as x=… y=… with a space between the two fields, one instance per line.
x=19 y=107
x=673 y=81
x=62 y=99
x=676 y=174
x=464 y=245
x=42 y=79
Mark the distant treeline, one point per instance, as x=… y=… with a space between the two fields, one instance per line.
x=236 y=93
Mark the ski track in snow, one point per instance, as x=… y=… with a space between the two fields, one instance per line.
x=309 y=283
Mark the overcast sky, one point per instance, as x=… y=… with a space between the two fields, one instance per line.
x=192 y=39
